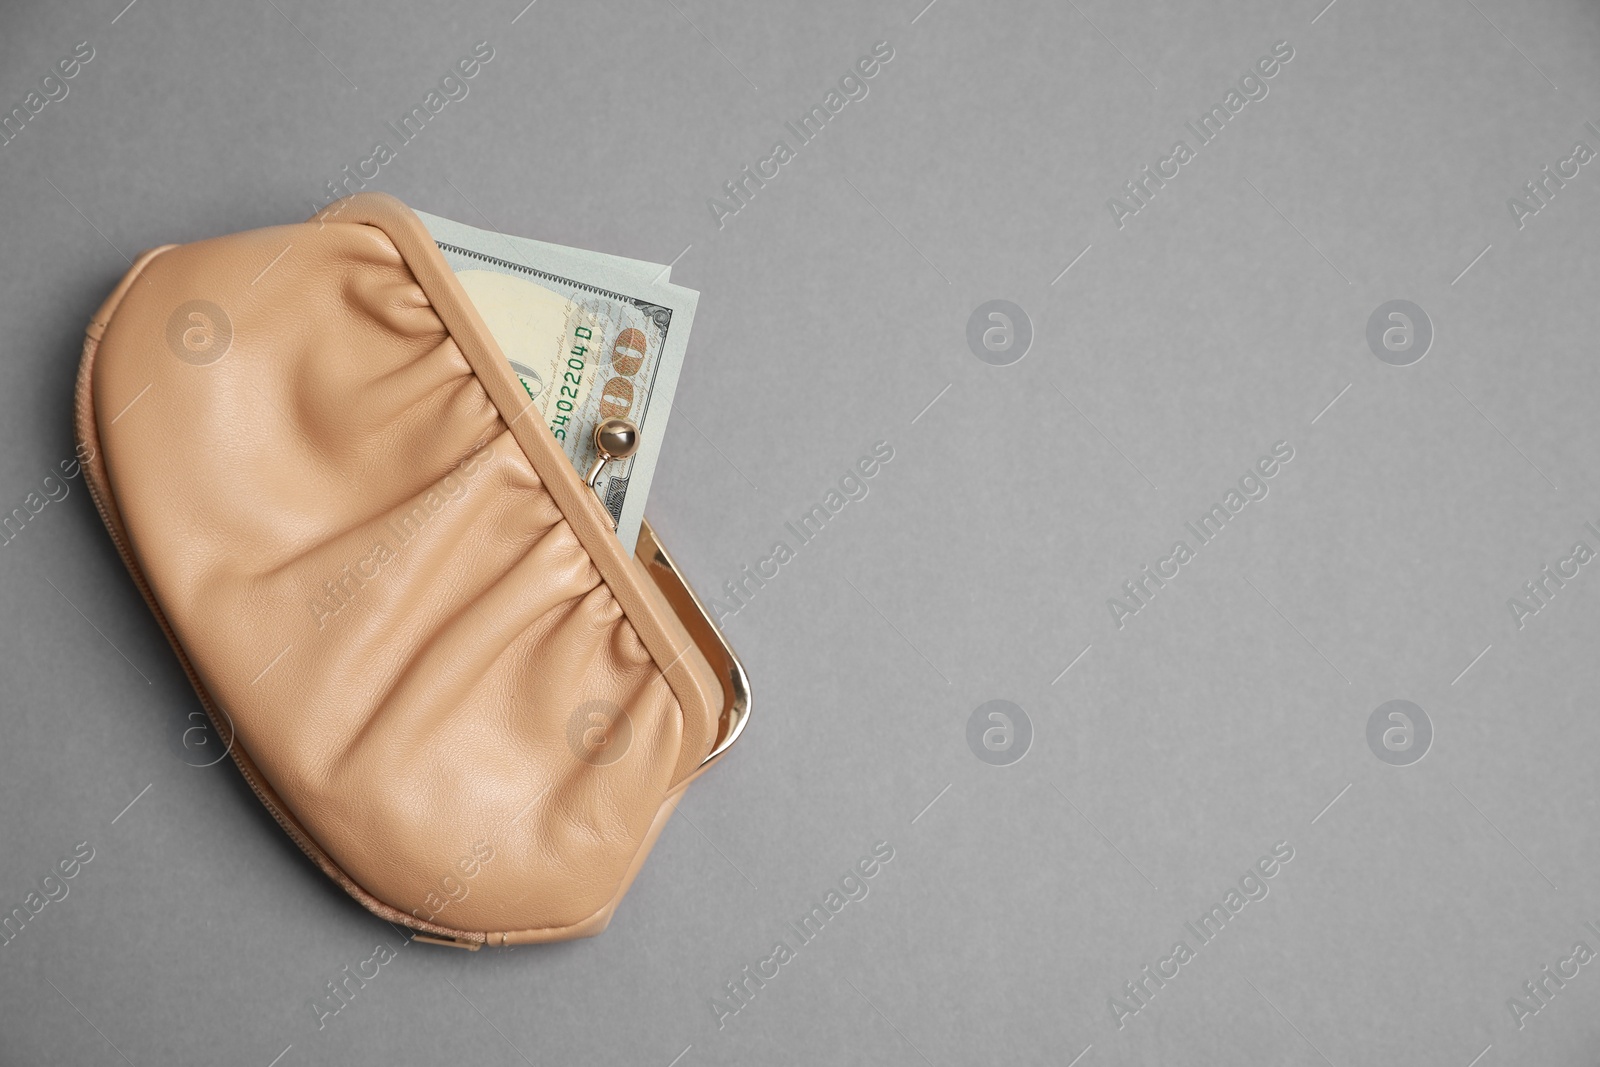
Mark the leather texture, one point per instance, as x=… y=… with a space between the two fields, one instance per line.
x=391 y=590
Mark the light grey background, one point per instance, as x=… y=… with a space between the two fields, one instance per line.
x=1228 y=715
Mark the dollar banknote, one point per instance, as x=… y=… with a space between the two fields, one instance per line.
x=590 y=337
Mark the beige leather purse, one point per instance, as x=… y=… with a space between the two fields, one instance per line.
x=409 y=619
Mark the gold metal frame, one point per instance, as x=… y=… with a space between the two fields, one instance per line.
x=658 y=564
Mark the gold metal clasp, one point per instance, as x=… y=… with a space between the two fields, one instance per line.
x=704 y=633
x=613 y=439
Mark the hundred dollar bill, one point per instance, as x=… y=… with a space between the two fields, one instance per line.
x=558 y=258
x=590 y=337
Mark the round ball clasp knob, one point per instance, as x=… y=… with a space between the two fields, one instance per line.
x=613 y=439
